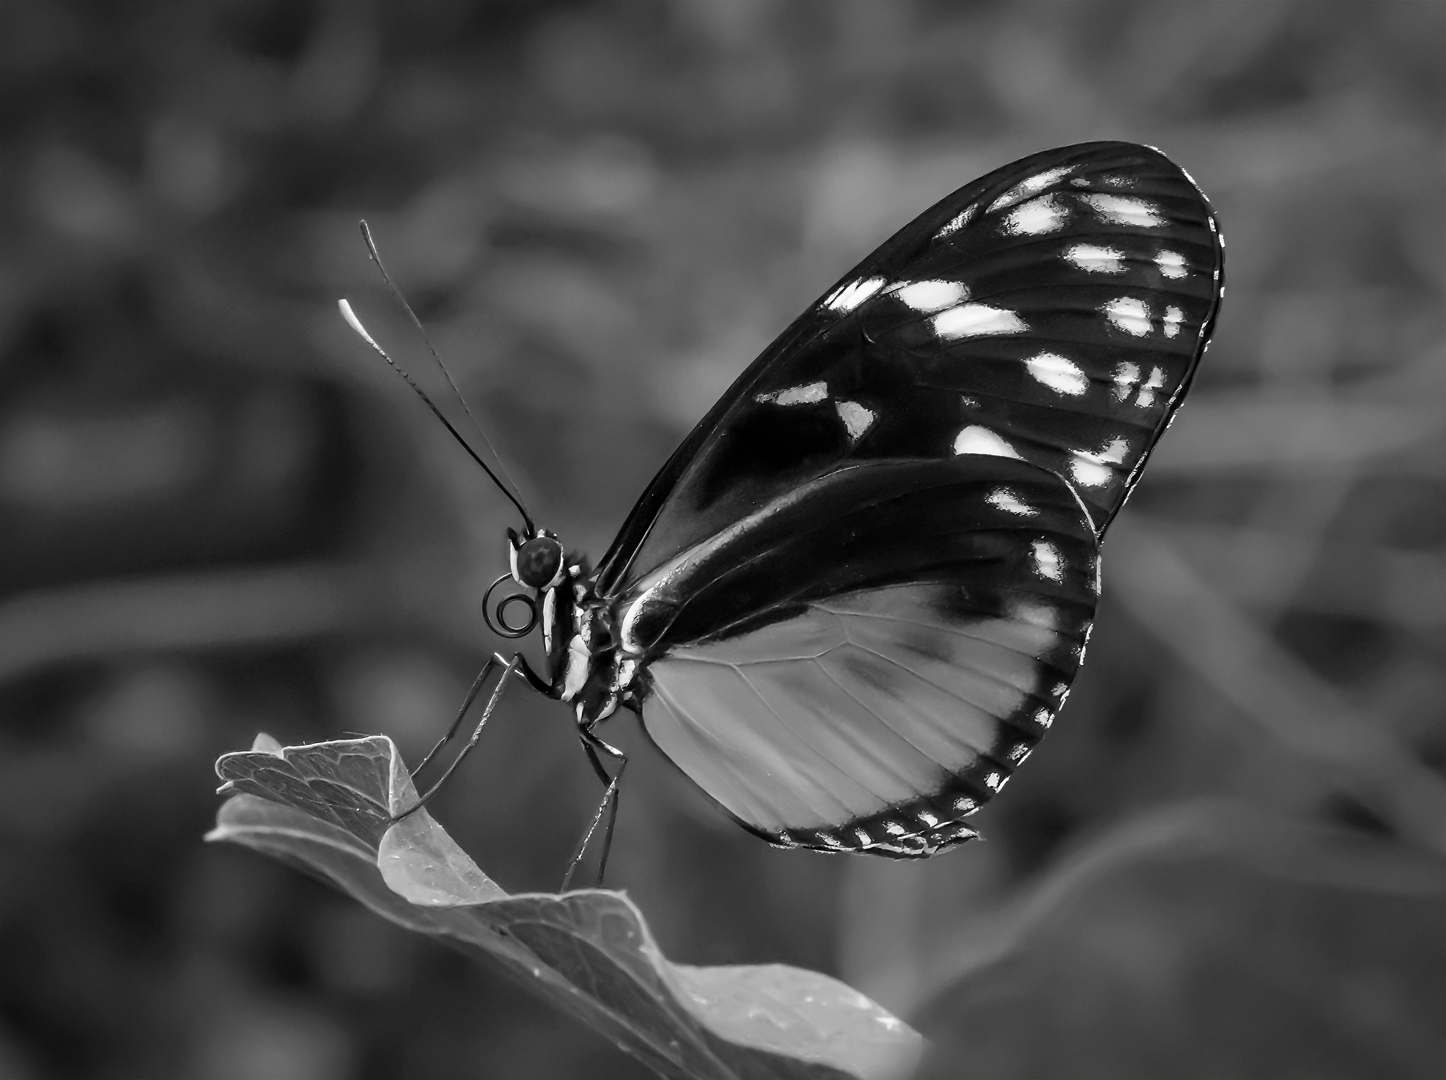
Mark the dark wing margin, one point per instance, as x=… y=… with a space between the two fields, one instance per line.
x=1053 y=312
x=861 y=665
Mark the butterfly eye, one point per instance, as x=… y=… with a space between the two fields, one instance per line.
x=539 y=562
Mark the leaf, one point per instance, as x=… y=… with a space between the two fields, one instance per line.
x=327 y=808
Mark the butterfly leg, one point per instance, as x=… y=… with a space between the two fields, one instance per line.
x=608 y=807
x=510 y=668
x=467 y=704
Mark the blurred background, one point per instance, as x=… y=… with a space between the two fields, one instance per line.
x=222 y=515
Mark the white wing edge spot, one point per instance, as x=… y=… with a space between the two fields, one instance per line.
x=980 y=440
x=1096 y=259
x=977 y=320
x=1059 y=373
x=849 y=296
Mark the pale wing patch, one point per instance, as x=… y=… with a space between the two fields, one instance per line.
x=1048 y=562
x=795 y=395
x=1126 y=376
x=1171 y=264
x=957 y=222
x=864 y=701
x=1037 y=217
x=1125 y=210
x=977 y=320
x=856 y=419
x=1152 y=386
x=980 y=440
x=1173 y=318
x=1030 y=186
x=1095 y=468
x=932 y=296
x=1129 y=314
x=849 y=296
x=1003 y=498
x=1096 y=259
x=1059 y=373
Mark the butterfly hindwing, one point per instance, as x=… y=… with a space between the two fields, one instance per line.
x=1053 y=311
x=863 y=662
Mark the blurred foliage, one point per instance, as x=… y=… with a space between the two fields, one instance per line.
x=222 y=515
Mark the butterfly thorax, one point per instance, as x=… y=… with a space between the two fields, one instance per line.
x=587 y=668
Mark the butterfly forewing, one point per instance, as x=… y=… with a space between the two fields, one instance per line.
x=858 y=593
x=1053 y=311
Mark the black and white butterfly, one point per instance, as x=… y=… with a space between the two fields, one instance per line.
x=855 y=597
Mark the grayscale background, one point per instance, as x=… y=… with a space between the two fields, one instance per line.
x=219 y=514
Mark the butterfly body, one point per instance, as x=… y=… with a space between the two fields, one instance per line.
x=855 y=598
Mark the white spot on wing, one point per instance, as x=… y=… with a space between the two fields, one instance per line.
x=1173 y=318
x=1097 y=260
x=977 y=320
x=1125 y=210
x=964 y=804
x=928 y=819
x=957 y=222
x=1043 y=717
x=1059 y=373
x=1128 y=314
x=1171 y=264
x=1048 y=563
x=1152 y=384
x=931 y=296
x=980 y=440
x=850 y=296
x=1033 y=185
x=795 y=395
x=1126 y=376
x=1003 y=499
x=1040 y=615
x=1091 y=468
x=856 y=419
x=1045 y=214
x=1087 y=472
x=994 y=781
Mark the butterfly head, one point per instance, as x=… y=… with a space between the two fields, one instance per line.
x=537 y=561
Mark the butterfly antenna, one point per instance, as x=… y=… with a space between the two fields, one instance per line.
x=396 y=292
x=355 y=324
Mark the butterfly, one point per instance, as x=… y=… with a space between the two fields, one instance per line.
x=855 y=598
